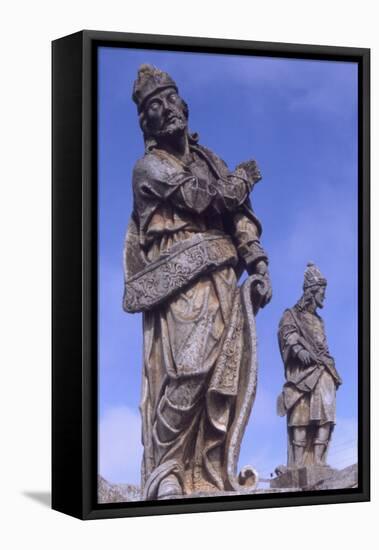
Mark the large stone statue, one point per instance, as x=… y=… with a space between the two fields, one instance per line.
x=309 y=394
x=191 y=235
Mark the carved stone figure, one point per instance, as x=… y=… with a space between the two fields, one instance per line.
x=309 y=394
x=191 y=235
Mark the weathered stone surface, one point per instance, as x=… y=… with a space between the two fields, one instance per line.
x=311 y=475
x=303 y=477
x=191 y=234
x=123 y=492
x=187 y=261
x=205 y=494
x=132 y=492
x=341 y=479
x=308 y=398
x=316 y=477
x=289 y=478
x=120 y=492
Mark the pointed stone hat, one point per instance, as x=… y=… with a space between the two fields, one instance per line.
x=313 y=276
x=150 y=80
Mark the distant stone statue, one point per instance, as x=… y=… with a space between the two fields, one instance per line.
x=309 y=394
x=191 y=235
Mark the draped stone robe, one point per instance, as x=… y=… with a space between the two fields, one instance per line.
x=194 y=341
x=309 y=394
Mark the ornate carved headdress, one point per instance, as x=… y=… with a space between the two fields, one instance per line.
x=313 y=276
x=150 y=80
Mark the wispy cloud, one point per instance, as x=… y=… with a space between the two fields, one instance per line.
x=299 y=115
x=344 y=445
x=323 y=87
x=324 y=231
x=120 y=448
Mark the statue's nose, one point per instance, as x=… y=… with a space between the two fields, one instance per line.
x=166 y=104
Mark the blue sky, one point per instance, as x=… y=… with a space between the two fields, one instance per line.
x=298 y=119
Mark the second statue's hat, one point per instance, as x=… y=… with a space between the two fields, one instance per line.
x=313 y=276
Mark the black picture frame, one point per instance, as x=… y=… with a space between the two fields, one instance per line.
x=74 y=272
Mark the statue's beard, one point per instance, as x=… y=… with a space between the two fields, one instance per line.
x=171 y=128
x=319 y=304
x=308 y=302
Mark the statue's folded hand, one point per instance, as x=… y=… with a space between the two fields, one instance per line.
x=305 y=357
x=251 y=169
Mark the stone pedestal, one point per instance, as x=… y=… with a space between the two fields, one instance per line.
x=305 y=477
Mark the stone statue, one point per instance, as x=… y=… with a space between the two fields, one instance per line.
x=309 y=394
x=191 y=235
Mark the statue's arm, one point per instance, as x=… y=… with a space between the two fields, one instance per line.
x=152 y=181
x=246 y=235
x=232 y=191
x=289 y=338
x=233 y=188
x=240 y=183
x=245 y=230
x=155 y=181
x=327 y=356
x=330 y=361
x=245 y=227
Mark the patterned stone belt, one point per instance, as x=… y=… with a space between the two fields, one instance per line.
x=180 y=265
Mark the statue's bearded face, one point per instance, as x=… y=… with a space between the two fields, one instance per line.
x=164 y=114
x=319 y=296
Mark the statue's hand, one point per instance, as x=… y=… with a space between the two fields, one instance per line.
x=305 y=357
x=251 y=169
x=261 y=290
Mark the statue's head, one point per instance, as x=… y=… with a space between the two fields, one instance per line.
x=162 y=112
x=314 y=286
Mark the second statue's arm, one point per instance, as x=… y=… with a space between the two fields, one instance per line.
x=293 y=345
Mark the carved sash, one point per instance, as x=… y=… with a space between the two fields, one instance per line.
x=182 y=264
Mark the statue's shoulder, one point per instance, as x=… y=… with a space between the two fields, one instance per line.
x=287 y=317
x=146 y=164
x=319 y=318
x=144 y=171
x=154 y=166
x=217 y=160
x=209 y=152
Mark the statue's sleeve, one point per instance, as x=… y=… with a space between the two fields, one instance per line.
x=289 y=338
x=233 y=188
x=233 y=191
x=326 y=354
x=243 y=225
x=246 y=231
x=155 y=181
